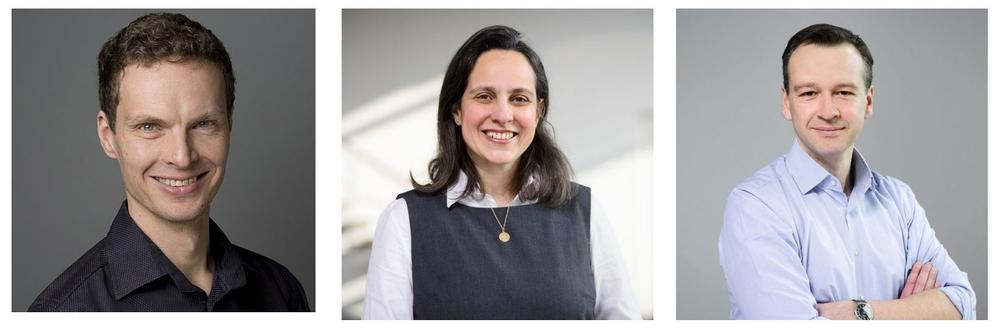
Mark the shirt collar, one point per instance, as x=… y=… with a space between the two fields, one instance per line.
x=477 y=198
x=808 y=174
x=135 y=261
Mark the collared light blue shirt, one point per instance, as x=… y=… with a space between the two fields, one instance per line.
x=792 y=239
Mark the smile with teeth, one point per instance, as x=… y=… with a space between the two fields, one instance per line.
x=175 y=182
x=500 y=135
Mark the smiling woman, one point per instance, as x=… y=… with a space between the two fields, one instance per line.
x=498 y=116
x=442 y=251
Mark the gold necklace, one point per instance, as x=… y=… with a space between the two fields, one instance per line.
x=504 y=236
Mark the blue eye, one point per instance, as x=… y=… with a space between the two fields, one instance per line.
x=146 y=127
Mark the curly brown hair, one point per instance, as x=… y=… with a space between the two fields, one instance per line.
x=154 y=38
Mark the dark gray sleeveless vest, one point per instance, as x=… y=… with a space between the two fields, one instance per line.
x=461 y=270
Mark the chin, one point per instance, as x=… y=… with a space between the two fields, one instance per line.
x=180 y=212
x=833 y=151
x=178 y=217
x=502 y=160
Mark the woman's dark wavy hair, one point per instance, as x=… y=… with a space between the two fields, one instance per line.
x=542 y=160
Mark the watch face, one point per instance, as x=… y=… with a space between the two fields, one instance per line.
x=864 y=311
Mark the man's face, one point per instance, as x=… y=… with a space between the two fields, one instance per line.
x=827 y=101
x=171 y=138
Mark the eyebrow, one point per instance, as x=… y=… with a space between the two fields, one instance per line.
x=846 y=85
x=813 y=85
x=213 y=115
x=494 y=90
x=143 y=118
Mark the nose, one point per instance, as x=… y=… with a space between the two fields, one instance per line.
x=179 y=152
x=502 y=112
x=828 y=109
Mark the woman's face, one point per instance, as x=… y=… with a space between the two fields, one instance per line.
x=499 y=109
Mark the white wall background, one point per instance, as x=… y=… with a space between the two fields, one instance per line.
x=600 y=69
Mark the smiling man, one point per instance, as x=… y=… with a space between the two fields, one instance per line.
x=167 y=90
x=817 y=233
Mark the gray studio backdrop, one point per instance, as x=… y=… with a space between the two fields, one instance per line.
x=600 y=69
x=66 y=191
x=928 y=127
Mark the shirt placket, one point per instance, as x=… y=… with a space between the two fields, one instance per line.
x=853 y=216
x=846 y=208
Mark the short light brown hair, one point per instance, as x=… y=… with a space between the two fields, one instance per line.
x=159 y=37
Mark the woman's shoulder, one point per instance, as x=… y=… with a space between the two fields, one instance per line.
x=580 y=191
x=579 y=187
x=417 y=195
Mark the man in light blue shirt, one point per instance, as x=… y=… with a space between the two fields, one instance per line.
x=817 y=234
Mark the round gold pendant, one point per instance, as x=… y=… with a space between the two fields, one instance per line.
x=504 y=237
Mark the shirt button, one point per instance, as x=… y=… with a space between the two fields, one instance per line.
x=855 y=253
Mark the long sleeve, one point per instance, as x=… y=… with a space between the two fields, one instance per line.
x=615 y=298
x=389 y=284
x=922 y=245
x=759 y=256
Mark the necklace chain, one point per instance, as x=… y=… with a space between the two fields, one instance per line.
x=504 y=236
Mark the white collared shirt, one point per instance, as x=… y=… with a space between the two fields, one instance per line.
x=389 y=284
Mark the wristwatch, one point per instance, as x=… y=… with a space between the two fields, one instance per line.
x=863 y=310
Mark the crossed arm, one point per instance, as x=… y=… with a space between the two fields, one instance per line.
x=767 y=279
x=921 y=298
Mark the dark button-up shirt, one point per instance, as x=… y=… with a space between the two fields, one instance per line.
x=125 y=271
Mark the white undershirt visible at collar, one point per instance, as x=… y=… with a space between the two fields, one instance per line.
x=477 y=199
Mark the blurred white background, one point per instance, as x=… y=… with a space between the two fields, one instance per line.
x=600 y=69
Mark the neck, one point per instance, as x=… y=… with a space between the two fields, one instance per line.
x=495 y=180
x=185 y=243
x=840 y=167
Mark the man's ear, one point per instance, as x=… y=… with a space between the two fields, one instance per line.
x=870 y=100
x=106 y=135
x=786 y=109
